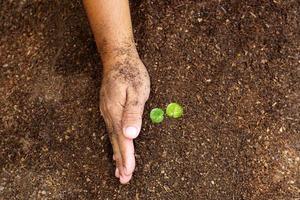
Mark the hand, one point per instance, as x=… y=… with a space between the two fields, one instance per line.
x=124 y=91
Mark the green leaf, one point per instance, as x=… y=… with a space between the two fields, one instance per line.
x=174 y=110
x=157 y=115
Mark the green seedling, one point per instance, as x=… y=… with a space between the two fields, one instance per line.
x=157 y=115
x=174 y=110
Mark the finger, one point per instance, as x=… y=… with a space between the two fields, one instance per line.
x=125 y=179
x=127 y=152
x=113 y=140
x=119 y=167
x=126 y=161
x=132 y=115
x=117 y=173
x=117 y=156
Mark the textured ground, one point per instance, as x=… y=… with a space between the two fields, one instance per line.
x=234 y=65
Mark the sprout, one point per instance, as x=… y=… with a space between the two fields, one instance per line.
x=174 y=110
x=157 y=115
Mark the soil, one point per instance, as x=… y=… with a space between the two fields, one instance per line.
x=232 y=64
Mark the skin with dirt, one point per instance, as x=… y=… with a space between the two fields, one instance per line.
x=125 y=89
x=233 y=65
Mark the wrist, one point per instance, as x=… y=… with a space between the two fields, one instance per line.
x=112 y=53
x=110 y=48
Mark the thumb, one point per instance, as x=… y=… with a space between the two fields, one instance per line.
x=132 y=116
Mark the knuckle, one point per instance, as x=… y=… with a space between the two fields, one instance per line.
x=139 y=98
x=117 y=127
x=110 y=107
x=115 y=111
x=109 y=126
x=130 y=116
x=118 y=160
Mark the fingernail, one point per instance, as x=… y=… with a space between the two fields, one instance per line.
x=131 y=132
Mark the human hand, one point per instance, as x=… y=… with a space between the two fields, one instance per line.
x=124 y=91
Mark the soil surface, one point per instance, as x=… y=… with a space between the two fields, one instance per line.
x=234 y=66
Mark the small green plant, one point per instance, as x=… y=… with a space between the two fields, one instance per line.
x=157 y=115
x=174 y=110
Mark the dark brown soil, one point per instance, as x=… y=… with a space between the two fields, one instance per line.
x=233 y=64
